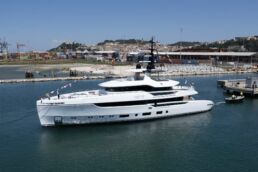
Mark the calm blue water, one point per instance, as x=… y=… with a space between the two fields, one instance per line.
x=225 y=139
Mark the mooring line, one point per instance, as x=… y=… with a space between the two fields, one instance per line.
x=18 y=119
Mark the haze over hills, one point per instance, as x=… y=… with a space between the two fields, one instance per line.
x=237 y=44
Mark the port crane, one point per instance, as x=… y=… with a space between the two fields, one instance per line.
x=4 y=47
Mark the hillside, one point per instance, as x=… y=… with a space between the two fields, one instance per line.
x=124 y=41
x=66 y=46
x=186 y=44
x=238 y=44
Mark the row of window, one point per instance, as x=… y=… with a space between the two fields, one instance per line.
x=139 y=102
x=91 y=117
x=123 y=116
x=163 y=93
x=143 y=114
x=138 y=88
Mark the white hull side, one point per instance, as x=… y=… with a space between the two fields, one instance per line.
x=50 y=115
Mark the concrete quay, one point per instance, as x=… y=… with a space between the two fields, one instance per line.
x=237 y=86
x=223 y=83
x=53 y=79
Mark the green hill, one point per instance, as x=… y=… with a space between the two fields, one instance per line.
x=124 y=41
x=67 y=46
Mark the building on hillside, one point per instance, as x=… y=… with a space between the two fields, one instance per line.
x=101 y=55
x=79 y=54
x=237 y=48
x=246 y=38
x=61 y=55
x=39 y=55
x=108 y=55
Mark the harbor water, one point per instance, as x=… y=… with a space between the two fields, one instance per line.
x=224 y=139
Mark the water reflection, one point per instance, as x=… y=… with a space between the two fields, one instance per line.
x=88 y=134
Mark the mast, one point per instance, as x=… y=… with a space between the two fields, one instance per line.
x=181 y=31
x=151 y=64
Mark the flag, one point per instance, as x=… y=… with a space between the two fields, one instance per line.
x=67 y=85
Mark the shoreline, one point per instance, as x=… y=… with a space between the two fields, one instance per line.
x=52 y=72
x=17 y=81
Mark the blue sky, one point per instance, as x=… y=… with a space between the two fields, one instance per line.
x=43 y=24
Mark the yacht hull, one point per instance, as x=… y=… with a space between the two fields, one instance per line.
x=75 y=114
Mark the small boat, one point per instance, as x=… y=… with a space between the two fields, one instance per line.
x=29 y=74
x=234 y=99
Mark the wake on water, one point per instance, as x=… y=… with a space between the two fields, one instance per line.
x=20 y=117
x=219 y=103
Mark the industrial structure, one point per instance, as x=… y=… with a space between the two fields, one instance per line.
x=198 y=57
x=4 y=49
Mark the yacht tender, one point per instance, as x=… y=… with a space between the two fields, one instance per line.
x=129 y=99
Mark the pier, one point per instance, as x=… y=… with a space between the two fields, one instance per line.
x=186 y=71
x=246 y=86
x=54 y=79
x=223 y=83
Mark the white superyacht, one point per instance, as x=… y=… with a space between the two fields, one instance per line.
x=128 y=99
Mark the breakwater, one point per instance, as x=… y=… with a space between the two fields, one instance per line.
x=189 y=73
x=53 y=79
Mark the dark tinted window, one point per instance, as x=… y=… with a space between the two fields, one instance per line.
x=138 y=88
x=123 y=116
x=141 y=102
x=146 y=113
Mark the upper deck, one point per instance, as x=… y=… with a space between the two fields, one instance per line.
x=99 y=96
x=139 y=81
